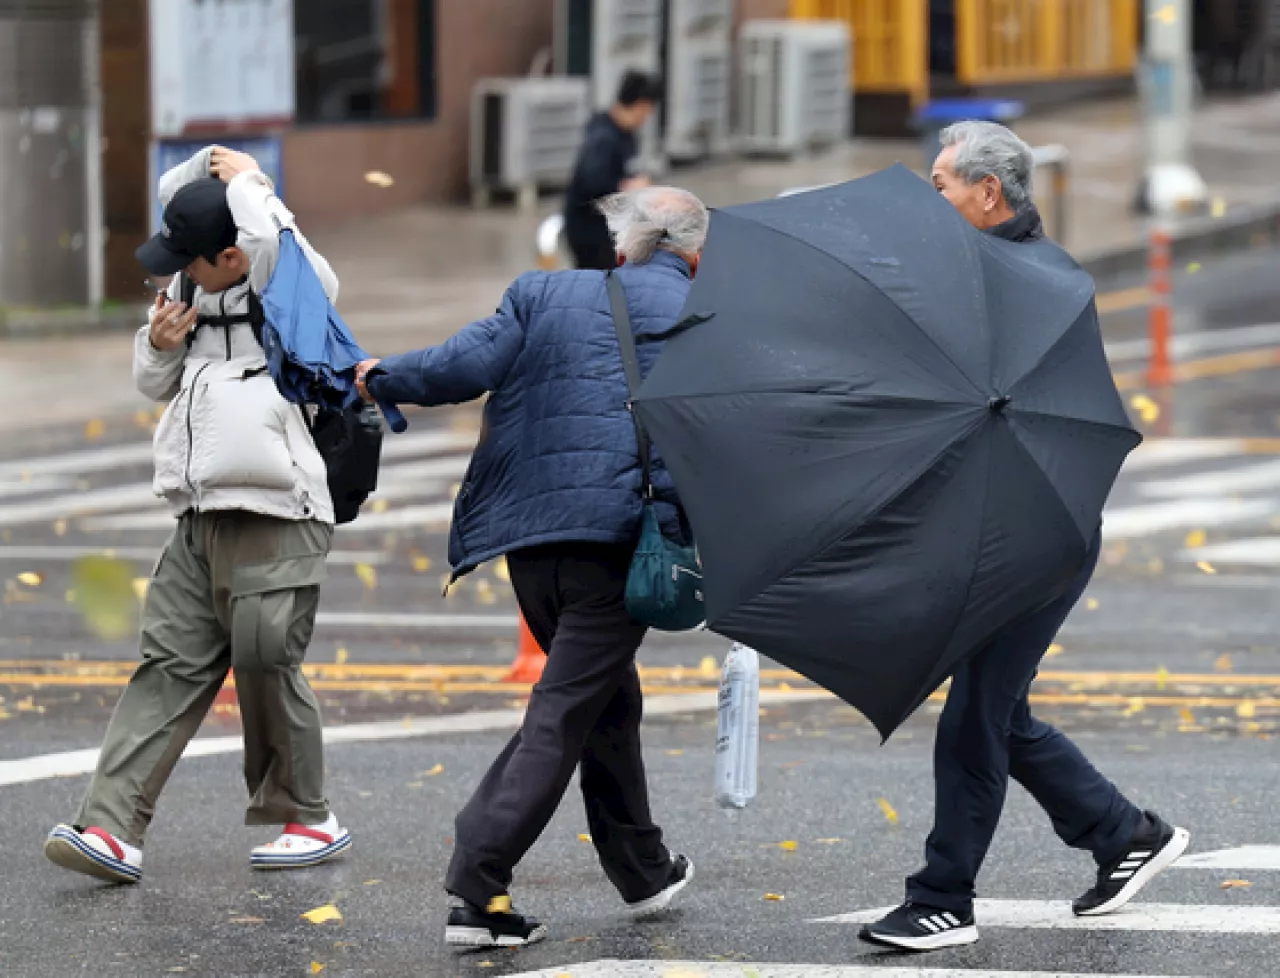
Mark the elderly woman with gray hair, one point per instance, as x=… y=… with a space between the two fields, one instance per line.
x=555 y=487
x=987 y=733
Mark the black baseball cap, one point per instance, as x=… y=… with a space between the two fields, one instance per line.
x=196 y=224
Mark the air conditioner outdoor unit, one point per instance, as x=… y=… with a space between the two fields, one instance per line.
x=698 y=67
x=525 y=135
x=794 y=85
x=602 y=40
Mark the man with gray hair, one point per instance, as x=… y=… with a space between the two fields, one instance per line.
x=985 y=172
x=555 y=487
x=987 y=733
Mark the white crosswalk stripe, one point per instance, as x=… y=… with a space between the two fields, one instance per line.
x=108 y=490
x=613 y=968
x=1168 y=486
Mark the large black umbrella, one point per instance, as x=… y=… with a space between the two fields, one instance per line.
x=893 y=435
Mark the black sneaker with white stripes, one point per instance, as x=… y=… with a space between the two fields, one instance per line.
x=915 y=927
x=497 y=925
x=678 y=877
x=1153 y=848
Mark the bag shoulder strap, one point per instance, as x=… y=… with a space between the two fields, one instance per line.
x=631 y=367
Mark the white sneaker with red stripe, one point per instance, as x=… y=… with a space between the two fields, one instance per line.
x=94 y=852
x=303 y=845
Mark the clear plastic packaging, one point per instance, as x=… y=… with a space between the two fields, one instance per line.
x=738 y=730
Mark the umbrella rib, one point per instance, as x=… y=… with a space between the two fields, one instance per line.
x=844 y=264
x=1107 y=425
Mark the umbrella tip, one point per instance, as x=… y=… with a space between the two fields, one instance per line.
x=998 y=404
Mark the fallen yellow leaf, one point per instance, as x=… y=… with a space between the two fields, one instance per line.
x=889 y=812
x=1092 y=604
x=321 y=915
x=340 y=658
x=1186 y=715
x=501 y=571
x=380 y=506
x=31 y=578
x=368 y=576
x=1053 y=650
x=1193 y=267
x=1136 y=705
x=583 y=837
x=372 y=882
x=774 y=897
x=316 y=967
x=421 y=564
x=1195 y=539
x=1206 y=567
x=1147 y=409
x=1162 y=677
x=1223 y=663
x=790 y=845
x=1246 y=710
x=94 y=429
x=1235 y=884
x=438 y=769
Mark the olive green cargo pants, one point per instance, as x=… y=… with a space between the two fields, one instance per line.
x=232 y=589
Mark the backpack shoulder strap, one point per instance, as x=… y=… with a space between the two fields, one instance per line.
x=631 y=367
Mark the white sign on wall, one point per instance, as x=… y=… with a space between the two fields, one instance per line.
x=220 y=65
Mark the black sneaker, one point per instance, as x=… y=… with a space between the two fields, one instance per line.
x=679 y=877
x=497 y=926
x=915 y=927
x=1153 y=848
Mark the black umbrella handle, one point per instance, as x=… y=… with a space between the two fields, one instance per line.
x=631 y=367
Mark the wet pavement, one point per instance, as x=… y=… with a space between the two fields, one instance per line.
x=1168 y=674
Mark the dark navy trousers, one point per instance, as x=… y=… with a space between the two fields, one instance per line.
x=987 y=735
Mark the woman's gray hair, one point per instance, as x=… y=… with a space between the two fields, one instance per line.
x=655 y=219
x=988 y=149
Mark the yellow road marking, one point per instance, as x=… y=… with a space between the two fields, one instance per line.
x=1207 y=367
x=1122 y=300
x=409 y=672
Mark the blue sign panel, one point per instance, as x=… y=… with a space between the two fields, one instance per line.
x=168 y=153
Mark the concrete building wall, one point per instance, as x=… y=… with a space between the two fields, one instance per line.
x=325 y=165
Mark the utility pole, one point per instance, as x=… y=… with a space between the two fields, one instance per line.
x=1171 y=184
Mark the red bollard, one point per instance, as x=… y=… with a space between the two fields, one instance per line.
x=530 y=659
x=1160 y=369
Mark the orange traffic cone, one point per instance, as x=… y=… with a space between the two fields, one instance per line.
x=530 y=659
x=227 y=694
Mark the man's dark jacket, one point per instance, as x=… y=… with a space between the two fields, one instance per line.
x=604 y=161
x=557 y=459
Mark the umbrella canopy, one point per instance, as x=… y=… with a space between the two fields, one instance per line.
x=310 y=351
x=893 y=435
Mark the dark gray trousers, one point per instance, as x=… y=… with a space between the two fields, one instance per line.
x=586 y=711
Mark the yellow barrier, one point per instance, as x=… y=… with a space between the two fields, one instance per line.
x=890 y=41
x=1044 y=40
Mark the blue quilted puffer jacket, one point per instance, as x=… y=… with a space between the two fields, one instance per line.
x=557 y=458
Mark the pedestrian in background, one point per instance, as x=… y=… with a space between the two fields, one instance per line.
x=238 y=583
x=986 y=733
x=555 y=485
x=606 y=165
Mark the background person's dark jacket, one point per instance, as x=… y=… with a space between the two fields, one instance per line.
x=604 y=161
x=557 y=458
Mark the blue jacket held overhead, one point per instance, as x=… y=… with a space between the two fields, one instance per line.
x=557 y=458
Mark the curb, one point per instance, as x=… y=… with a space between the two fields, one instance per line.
x=1196 y=240
x=39 y=324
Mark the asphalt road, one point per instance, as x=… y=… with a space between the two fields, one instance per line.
x=1168 y=675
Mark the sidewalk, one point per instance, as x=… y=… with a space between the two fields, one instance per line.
x=428 y=271
x=411 y=279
